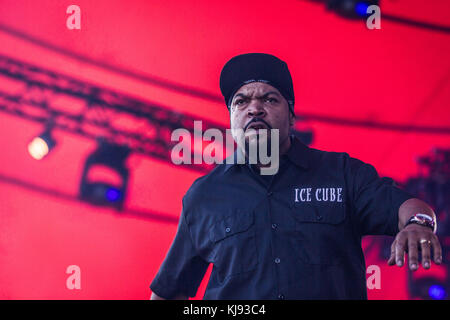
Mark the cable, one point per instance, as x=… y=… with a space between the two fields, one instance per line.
x=416 y=23
x=375 y=125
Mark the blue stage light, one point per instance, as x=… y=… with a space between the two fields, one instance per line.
x=352 y=9
x=98 y=191
x=436 y=292
x=361 y=8
x=113 y=194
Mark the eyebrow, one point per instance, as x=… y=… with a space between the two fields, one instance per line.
x=263 y=96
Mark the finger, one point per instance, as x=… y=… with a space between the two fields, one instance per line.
x=391 y=260
x=425 y=248
x=413 y=254
x=400 y=249
x=437 y=250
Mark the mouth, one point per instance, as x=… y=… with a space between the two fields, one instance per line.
x=257 y=126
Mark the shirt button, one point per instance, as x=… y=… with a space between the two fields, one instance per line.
x=274 y=225
x=281 y=296
x=277 y=260
x=319 y=218
x=227 y=230
x=270 y=193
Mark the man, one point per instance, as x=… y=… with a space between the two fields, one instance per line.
x=295 y=234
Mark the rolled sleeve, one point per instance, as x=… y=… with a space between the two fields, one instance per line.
x=182 y=269
x=376 y=200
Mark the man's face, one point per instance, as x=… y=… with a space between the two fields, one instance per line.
x=261 y=100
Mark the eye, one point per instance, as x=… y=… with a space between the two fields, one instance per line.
x=271 y=100
x=238 y=102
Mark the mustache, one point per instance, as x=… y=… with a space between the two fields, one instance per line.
x=257 y=120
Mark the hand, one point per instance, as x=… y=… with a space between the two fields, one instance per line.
x=412 y=239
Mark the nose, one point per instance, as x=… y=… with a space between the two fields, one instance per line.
x=256 y=109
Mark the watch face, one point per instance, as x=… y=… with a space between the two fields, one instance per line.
x=424 y=217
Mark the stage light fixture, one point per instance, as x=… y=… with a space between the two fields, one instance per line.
x=437 y=292
x=427 y=287
x=41 y=145
x=105 y=193
x=361 y=8
x=353 y=9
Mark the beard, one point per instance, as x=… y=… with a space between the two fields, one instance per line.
x=257 y=146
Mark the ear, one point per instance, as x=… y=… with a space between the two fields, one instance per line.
x=291 y=118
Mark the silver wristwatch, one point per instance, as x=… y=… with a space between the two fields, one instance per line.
x=423 y=220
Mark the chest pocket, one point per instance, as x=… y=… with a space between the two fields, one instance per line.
x=320 y=233
x=234 y=244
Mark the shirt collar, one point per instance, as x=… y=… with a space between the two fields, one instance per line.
x=298 y=154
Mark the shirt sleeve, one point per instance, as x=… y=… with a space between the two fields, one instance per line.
x=182 y=269
x=376 y=200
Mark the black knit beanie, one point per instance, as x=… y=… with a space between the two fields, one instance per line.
x=256 y=67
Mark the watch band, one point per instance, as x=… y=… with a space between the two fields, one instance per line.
x=423 y=220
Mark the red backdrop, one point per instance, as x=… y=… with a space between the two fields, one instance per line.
x=396 y=75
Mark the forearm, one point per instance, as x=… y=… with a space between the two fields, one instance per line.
x=410 y=207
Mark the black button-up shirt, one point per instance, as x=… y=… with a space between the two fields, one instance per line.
x=294 y=235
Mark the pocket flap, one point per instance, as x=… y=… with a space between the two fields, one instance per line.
x=319 y=214
x=238 y=222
